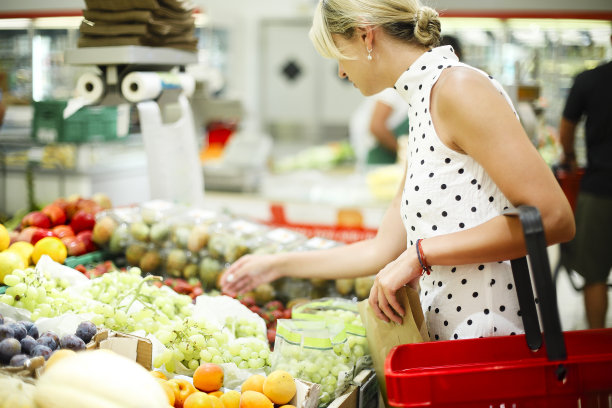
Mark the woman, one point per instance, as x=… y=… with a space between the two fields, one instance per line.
x=469 y=161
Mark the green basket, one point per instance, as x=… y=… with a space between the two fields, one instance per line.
x=88 y=124
x=48 y=121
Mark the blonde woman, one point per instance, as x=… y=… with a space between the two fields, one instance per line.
x=469 y=160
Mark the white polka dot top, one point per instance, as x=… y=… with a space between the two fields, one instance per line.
x=447 y=191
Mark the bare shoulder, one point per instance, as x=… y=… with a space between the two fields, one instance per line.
x=458 y=85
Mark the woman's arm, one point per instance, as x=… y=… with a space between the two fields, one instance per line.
x=358 y=259
x=378 y=126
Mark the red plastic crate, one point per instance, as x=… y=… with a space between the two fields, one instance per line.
x=501 y=372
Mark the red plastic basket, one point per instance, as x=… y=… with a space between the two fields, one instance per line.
x=573 y=369
x=501 y=371
x=570 y=184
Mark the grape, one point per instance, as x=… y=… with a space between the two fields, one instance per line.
x=26 y=324
x=41 y=350
x=72 y=342
x=9 y=348
x=27 y=344
x=11 y=280
x=33 y=332
x=86 y=330
x=53 y=335
x=47 y=341
x=19 y=360
x=19 y=330
x=6 y=332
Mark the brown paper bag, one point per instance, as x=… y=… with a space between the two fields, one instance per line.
x=383 y=336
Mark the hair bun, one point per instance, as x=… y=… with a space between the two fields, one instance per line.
x=427 y=27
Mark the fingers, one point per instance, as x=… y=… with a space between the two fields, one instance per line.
x=397 y=308
x=373 y=301
x=383 y=304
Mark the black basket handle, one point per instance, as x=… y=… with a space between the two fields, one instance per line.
x=547 y=295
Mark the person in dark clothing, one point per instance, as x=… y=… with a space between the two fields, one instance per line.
x=589 y=253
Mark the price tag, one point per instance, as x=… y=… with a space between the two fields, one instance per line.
x=35 y=154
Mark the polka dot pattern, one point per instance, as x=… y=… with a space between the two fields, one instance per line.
x=448 y=192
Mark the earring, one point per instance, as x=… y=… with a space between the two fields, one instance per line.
x=369 y=54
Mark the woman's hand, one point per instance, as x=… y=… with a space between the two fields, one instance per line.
x=247 y=273
x=405 y=270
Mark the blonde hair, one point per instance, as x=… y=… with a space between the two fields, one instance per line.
x=405 y=20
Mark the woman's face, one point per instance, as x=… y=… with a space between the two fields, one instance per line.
x=360 y=70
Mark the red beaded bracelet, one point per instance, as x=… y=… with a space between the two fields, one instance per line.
x=421 y=256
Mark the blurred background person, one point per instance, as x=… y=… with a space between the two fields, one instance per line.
x=375 y=127
x=589 y=253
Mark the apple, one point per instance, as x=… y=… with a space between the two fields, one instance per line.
x=61 y=203
x=36 y=219
x=26 y=234
x=82 y=220
x=55 y=214
x=74 y=246
x=62 y=231
x=88 y=205
x=39 y=234
x=86 y=238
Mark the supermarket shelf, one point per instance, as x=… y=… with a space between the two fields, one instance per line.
x=129 y=55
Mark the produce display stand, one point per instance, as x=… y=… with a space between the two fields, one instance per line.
x=573 y=369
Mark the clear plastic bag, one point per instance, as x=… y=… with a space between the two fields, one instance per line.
x=314 y=351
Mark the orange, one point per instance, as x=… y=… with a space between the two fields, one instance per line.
x=254 y=399
x=216 y=393
x=198 y=400
x=5 y=238
x=216 y=402
x=158 y=374
x=24 y=249
x=279 y=386
x=168 y=390
x=51 y=246
x=208 y=377
x=253 y=383
x=230 y=399
x=182 y=390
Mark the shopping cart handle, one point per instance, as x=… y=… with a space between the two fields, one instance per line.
x=541 y=274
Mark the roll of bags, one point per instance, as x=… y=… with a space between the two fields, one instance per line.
x=90 y=87
x=142 y=86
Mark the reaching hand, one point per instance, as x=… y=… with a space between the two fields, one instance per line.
x=405 y=270
x=247 y=273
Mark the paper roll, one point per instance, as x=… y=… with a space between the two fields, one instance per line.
x=143 y=86
x=90 y=87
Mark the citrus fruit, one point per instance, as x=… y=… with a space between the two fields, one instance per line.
x=253 y=383
x=24 y=249
x=9 y=261
x=52 y=246
x=208 y=377
x=5 y=239
x=254 y=399
x=279 y=386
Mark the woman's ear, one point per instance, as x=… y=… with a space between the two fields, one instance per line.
x=366 y=35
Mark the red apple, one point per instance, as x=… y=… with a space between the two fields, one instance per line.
x=71 y=209
x=61 y=203
x=26 y=234
x=62 y=231
x=36 y=219
x=39 y=234
x=86 y=237
x=82 y=220
x=14 y=236
x=74 y=246
x=55 y=214
x=89 y=206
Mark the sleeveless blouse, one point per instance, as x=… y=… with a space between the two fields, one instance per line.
x=447 y=191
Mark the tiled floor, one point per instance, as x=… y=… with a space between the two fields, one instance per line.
x=570 y=302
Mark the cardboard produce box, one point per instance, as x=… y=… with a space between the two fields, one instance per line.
x=133 y=347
